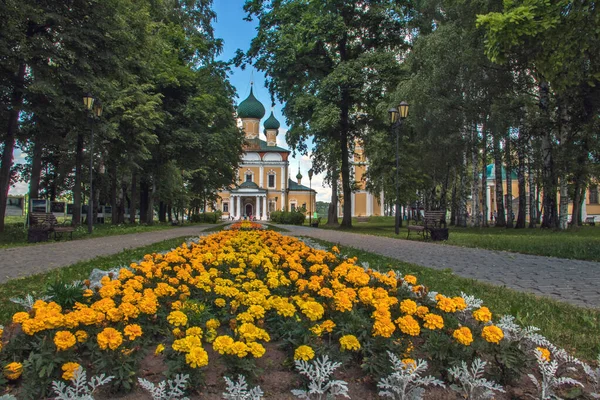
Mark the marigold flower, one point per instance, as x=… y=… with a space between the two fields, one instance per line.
x=408 y=307
x=81 y=336
x=446 y=304
x=64 y=340
x=212 y=323
x=88 y=293
x=186 y=344
x=194 y=331
x=409 y=363
x=544 y=352
x=422 y=311
x=132 y=331
x=410 y=279
x=256 y=349
x=69 y=370
x=461 y=304
x=177 y=318
x=159 y=349
x=492 y=334
x=20 y=317
x=221 y=344
x=409 y=325
x=197 y=357
x=304 y=352
x=433 y=321
x=463 y=335
x=482 y=314
x=109 y=338
x=349 y=342
x=13 y=371
x=220 y=302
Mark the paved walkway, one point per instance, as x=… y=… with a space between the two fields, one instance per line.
x=17 y=262
x=573 y=281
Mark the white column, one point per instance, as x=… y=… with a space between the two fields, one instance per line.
x=382 y=206
x=260 y=179
x=283 y=200
x=488 y=200
x=584 y=206
x=239 y=207
x=369 y=204
x=282 y=179
x=264 y=216
x=353 y=204
x=257 y=211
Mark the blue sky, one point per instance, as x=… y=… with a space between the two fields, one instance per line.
x=237 y=34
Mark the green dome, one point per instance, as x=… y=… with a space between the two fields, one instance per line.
x=251 y=108
x=271 y=122
x=299 y=175
x=248 y=185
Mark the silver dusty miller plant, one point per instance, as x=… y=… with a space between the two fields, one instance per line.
x=406 y=382
x=471 y=383
x=594 y=378
x=168 y=389
x=238 y=390
x=321 y=386
x=80 y=388
x=550 y=381
x=28 y=301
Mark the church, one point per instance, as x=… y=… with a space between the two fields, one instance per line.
x=263 y=183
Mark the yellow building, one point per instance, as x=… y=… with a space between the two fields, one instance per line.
x=263 y=177
x=364 y=203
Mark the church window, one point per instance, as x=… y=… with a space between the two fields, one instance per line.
x=594 y=194
x=271 y=181
x=248 y=177
x=225 y=207
x=293 y=206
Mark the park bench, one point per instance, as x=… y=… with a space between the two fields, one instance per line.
x=315 y=222
x=432 y=226
x=590 y=221
x=41 y=224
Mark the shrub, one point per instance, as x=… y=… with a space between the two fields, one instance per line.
x=209 y=217
x=288 y=217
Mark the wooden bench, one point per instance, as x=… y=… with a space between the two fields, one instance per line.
x=431 y=220
x=47 y=223
x=590 y=221
x=315 y=222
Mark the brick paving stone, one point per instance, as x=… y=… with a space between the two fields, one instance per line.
x=23 y=261
x=573 y=281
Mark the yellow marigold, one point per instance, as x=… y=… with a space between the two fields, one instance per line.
x=410 y=279
x=408 y=307
x=545 y=353
x=177 y=318
x=349 y=342
x=252 y=333
x=463 y=335
x=64 y=340
x=492 y=334
x=194 y=331
x=433 y=321
x=128 y=311
x=212 y=323
x=422 y=311
x=177 y=333
x=326 y=292
x=335 y=250
x=13 y=371
x=409 y=325
x=482 y=314
x=186 y=344
x=159 y=349
x=132 y=331
x=221 y=344
x=220 y=302
x=69 y=370
x=256 y=349
x=109 y=338
x=20 y=317
x=409 y=363
x=88 y=293
x=304 y=352
x=313 y=310
x=460 y=303
x=446 y=304
x=81 y=336
x=197 y=357
x=239 y=349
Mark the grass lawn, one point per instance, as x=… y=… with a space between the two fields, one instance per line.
x=15 y=234
x=581 y=243
x=574 y=328
x=36 y=284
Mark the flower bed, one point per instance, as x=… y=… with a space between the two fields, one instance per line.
x=234 y=291
x=246 y=226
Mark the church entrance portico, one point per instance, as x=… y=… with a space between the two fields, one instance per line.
x=248 y=199
x=249 y=210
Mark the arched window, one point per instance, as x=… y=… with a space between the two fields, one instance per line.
x=225 y=206
x=271 y=179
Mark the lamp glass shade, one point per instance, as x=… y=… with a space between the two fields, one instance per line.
x=393 y=113
x=88 y=101
x=98 y=108
x=403 y=107
x=310 y=173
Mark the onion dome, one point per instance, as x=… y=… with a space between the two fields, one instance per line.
x=251 y=108
x=299 y=175
x=271 y=122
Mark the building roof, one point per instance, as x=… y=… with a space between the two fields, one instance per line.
x=248 y=185
x=261 y=145
x=491 y=173
x=251 y=107
x=271 y=122
x=294 y=186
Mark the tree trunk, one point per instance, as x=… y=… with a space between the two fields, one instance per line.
x=332 y=217
x=133 y=204
x=121 y=205
x=477 y=214
x=564 y=204
x=500 y=218
x=563 y=211
x=9 y=141
x=112 y=172
x=532 y=191
x=453 y=201
x=462 y=197
x=549 y=219
x=143 y=201
x=162 y=211
x=169 y=213
x=78 y=179
x=36 y=170
x=150 y=218
x=484 y=197
x=509 y=211
x=521 y=178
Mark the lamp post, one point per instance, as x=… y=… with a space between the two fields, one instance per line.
x=94 y=109
x=397 y=115
x=310 y=175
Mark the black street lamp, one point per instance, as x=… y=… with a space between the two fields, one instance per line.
x=94 y=109
x=310 y=175
x=397 y=115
